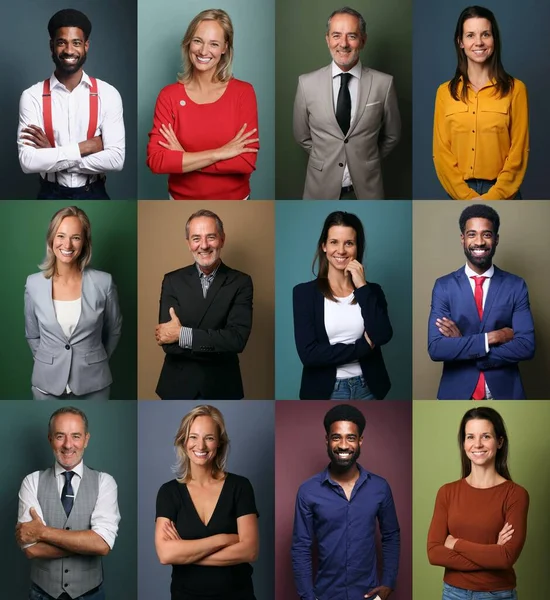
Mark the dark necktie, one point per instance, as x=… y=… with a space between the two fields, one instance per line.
x=479 y=392
x=67 y=494
x=343 y=105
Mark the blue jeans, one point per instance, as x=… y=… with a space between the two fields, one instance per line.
x=453 y=593
x=482 y=186
x=353 y=388
x=36 y=593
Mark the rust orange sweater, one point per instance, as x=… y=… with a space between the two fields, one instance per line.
x=475 y=516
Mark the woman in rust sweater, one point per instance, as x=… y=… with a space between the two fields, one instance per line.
x=480 y=521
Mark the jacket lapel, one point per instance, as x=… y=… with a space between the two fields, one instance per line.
x=365 y=84
x=496 y=282
x=214 y=288
x=468 y=297
x=328 y=100
x=50 y=309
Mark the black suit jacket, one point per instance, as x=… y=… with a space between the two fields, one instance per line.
x=221 y=324
x=320 y=358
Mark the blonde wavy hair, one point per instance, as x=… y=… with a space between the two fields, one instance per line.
x=224 y=71
x=182 y=466
x=49 y=263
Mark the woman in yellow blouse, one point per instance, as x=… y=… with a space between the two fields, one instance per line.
x=481 y=120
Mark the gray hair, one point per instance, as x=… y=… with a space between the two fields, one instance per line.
x=204 y=213
x=71 y=410
x=346 y=10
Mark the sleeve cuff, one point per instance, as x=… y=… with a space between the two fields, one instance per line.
x=486 y=343
x=186 y=338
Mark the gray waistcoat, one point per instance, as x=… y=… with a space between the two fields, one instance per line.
x=76 y=574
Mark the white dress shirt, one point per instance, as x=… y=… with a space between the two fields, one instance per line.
x=485 y=288
x=353 y=87
x=105 y=516
x=344 y=325
x=70 y=118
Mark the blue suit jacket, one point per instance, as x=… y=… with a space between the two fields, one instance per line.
x=506 y=305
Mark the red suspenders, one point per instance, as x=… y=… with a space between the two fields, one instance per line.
x=47 y=110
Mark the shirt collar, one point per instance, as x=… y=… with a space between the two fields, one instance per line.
x=54 y=81
x=356 y=71
x=79 y=469
x=471 y=273
x=211 y=275
x=326 y=478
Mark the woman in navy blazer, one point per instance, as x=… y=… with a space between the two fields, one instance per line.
x=341 y=320
x=72 y=317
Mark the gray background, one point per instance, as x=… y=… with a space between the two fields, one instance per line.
x=525 y=45
x=26 y=59
x=251 y=430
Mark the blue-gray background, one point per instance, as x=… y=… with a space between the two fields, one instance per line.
x=26 y=59
x=161 y=27
x=525 y=55
x=251 y=430
x=387 y=261
x=112 y=448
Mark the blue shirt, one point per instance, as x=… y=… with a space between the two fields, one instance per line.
x=345 y=535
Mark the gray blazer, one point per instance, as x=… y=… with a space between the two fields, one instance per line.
x=83 y=360
x=375 y=130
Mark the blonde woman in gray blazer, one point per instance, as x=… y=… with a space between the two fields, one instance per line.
x=72 y=317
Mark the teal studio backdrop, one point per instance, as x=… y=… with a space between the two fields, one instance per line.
x=23 y=228
x=387 y=261
x=112 y=449
x=161 y=27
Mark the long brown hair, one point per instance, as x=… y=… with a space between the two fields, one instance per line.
x=504 y=82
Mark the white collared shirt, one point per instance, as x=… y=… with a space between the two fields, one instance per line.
x=70 y=119
x=353 y=87
x=485 y=288
x=105 y=516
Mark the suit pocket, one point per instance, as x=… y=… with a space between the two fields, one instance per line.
x=44 y=357
x=95 y=357
x=316 y=163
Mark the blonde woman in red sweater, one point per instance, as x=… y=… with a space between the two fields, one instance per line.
x=479 y=523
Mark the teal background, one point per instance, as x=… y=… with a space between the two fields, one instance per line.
x=112 y=449
x=23 y=228
x=436 y=461
x=161 y=27
x=301 y=47
x=387 y=261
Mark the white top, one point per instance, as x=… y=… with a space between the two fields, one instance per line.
x=68 y=314
x=485 y=287
x=353 y=87
x=344 y=325
x=70 y=119
x=105 y=516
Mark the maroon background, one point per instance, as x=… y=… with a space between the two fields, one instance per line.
x=300 y=452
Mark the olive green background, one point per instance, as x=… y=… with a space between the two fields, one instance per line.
x=436 y=461
x=301 y=47
x=23 y=228
x=112 y=449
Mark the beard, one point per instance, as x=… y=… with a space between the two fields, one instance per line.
x=69 y=69
x=482 y=262
x=343 y=463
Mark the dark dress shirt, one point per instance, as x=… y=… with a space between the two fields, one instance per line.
x=344 y=531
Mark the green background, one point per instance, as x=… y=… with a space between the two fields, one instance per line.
x=112 y=449
x=436 y=461
x=301 y=47
x=23 y=228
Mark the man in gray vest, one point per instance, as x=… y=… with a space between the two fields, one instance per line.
x=68 y=516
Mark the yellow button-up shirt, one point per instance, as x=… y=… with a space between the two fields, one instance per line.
x=485 y=138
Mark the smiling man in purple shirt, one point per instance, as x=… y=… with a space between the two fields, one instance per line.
x=337 y=510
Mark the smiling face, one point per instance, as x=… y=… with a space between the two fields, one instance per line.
x=477 y=40
x=479 y=243
x=340 y=247
x=207 y=46
x=69 y=49
x=68 y=241
x=344 y=40
x=480 y=443
x=205 y=243
x=203 y=441
x=68 y=440
x=343 y=444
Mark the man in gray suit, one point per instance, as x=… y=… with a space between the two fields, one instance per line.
x=68 y=516
x=346 y=117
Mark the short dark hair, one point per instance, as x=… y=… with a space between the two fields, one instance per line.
x=346 y=10
x=203 y=212
x=345 y=412
x=72 y=410
x=479 y=211
x=69 y=17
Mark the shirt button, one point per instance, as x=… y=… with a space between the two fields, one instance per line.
x=66 y=570
x=67 y=347
x=473 y=112
x=473 y=150
x=473 y=130
x=340 y=164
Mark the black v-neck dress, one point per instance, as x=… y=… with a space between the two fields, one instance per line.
x=197 y=582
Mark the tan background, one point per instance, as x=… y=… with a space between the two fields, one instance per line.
x=249 y=247
x=524 y=249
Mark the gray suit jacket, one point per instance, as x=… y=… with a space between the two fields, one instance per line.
x=375 y=130
x=83 y=360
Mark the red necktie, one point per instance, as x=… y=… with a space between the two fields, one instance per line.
x=479 y=392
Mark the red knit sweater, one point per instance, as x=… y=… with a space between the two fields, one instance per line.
x=201 y=127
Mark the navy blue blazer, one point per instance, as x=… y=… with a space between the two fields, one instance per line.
x=506 y=305
x=320 y=358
